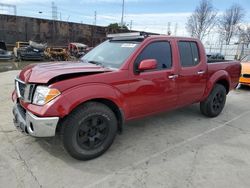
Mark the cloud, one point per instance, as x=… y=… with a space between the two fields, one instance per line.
x=151 y=22
x=24 y=2
x=109 y=1
x=4 y=11
x=15 y=2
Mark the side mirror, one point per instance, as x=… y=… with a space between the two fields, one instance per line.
x=147 y=64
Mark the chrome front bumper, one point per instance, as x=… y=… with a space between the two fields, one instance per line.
x=32 y=125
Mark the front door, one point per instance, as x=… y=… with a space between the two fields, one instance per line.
x=153 y=91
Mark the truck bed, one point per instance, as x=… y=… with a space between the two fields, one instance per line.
x=231 y=67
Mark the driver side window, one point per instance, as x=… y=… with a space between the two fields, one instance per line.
x=161 y=51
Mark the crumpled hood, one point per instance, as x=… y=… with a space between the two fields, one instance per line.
x=44 y=72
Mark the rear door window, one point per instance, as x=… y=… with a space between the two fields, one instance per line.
x=189 y=53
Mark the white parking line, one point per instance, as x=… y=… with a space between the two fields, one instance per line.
x=164 y=151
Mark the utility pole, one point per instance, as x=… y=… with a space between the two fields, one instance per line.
x=169 y=28
x=54 y=17
x=95 y=18
x=122 y=19
x=131 y=23
x=175 y=29
x=54 y=11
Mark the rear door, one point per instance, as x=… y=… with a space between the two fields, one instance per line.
x=153 y=91
x=191 y=80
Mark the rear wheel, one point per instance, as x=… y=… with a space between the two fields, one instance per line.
x=215 y=102
x=89 y=131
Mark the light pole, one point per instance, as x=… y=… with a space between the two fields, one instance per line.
x=122 y=21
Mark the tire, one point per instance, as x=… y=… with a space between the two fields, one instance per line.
x=89 y=131
x=215 y=102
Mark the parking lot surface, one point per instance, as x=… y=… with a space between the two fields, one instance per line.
x=181 y=148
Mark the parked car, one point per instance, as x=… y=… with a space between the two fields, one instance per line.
x=215 y=57
x=124 y=78
x=56 y=54
x=77 y=49
x=4 y=54
x=19 y=45
x=245 y=71
x=29 y=51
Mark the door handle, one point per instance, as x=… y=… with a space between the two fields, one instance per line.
x=200 y=72
x=173 y=76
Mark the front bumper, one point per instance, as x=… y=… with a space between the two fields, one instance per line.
x=244 y=81
x=32 y=125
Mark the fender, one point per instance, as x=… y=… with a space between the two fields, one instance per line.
x=215 y=78
x=82 y=93
x=71 y=98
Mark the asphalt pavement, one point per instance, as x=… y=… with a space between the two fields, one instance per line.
x=177 y=149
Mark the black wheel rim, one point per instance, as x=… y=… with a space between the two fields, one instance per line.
x=218 y=101
x=92 y=132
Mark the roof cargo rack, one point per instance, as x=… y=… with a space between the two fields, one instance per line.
x=130 y=35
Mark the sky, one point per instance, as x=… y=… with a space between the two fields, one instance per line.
x=145 y=15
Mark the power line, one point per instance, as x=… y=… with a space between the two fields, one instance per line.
x=8 y=6
x=54 y=14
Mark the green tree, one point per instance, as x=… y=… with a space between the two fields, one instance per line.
x=116 y=28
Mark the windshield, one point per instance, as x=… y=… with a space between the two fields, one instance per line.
x=246 y=59
x=111 y=54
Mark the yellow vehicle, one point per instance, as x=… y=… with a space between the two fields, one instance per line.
x=245 y=71
x=29 y=51
x=56 y=54
x=19 y=45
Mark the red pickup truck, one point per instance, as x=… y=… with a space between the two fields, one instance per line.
x=126 y=77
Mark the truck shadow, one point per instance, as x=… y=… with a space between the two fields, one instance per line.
x=137 y=129
x=144 y=138
x=244 y=87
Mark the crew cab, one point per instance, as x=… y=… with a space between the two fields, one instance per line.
x=126 y=77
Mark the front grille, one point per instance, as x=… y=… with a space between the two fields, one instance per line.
x=21 y=87
x=25 y=91
x=246 y=75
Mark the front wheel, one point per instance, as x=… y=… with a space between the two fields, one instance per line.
x=215 y=102
x=89 y=131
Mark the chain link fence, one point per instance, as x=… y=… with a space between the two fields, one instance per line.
x=231 y=51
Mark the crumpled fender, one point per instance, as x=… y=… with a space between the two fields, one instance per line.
x=217 y=76
x=82 y=93
x=62 y=105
